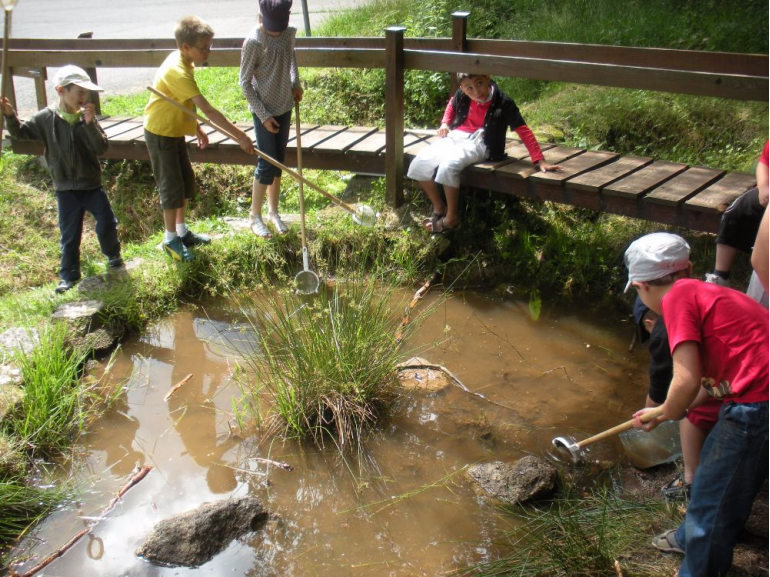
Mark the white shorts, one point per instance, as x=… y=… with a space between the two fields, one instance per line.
x=449 y=155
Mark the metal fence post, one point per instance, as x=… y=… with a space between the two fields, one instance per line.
x=394 y=115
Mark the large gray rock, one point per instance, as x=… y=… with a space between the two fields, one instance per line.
x=83 y=311
x=193 y=538
x=10 y=397
x=19 y=339
x=528 y=478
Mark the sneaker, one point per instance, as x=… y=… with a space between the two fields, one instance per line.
x=191 y=239
x=717 y=280
x=677 y=489
x=667 y=542
x=177 y=250
x=259 y=228
x=280 y=226
x=116 y=262
x=64 y=286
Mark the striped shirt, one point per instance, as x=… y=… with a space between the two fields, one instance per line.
x=269 y=72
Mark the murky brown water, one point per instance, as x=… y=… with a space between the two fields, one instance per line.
x=404 y=511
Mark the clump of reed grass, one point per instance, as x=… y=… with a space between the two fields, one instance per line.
x=326 y=365
x=583 y=536
x=22 y=506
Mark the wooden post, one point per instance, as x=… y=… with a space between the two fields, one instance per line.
x=394 y=115
x=306 y=18
x=6 y=70
x=92 y=75
x=459 y=43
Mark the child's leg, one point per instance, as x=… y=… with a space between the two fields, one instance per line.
x=466 y=151
x=99 y=206
x=71 y=214
x=733 y=468
x=434 y=195
x=257 y=197
x=423 y=168
x=692 y=438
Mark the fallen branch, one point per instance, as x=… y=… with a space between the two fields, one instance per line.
x=407 y=311
x=284 y=466
x=138 y=476
x=177 y=387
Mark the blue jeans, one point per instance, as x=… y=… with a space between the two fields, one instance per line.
x=73 y=205
x=732 y=470
x=274 y=145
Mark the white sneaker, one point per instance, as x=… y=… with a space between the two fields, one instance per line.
x=717 y=280
x=259 y=228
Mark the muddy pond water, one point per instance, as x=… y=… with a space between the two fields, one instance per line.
x=403 y=508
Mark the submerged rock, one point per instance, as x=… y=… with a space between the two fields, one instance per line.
x=528 y=478
x=193 y=538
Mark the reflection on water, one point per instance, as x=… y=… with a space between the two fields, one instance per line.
x=402 y=508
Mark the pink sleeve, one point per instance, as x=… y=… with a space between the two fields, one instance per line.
x=449 y=113
x=680 y=314
x=530 y=142
x=763 y=157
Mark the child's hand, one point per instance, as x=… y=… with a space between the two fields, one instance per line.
x=203 y=138
x=89 y=112
x=245 y=143
x=271 y=124
x=543 y=166
x=649 y=426
x=297 y=93
x=443 y=130
x=8 y=110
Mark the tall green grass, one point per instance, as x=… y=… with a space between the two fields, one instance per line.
x=22 y=506
x=584 y=536
x=325 y=368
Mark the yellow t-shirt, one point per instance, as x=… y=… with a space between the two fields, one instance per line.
x=175 y=78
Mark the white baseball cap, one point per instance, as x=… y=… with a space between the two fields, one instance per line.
x=71 y=74
x=656 y=255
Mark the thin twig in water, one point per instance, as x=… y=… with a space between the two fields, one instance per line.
x=421 y=292
x=505 y=340
x=284 y=466
x=138 y=476
x=177 y=387
x=566 y=374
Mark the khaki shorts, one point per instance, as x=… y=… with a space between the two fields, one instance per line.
x=172 y=169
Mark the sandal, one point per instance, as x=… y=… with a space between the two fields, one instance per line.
x=259 y=228
x=677 y=489
x=440 y=227
x=280 y=226
x=667 y=542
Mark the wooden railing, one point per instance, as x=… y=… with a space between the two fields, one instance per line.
x=717 y=74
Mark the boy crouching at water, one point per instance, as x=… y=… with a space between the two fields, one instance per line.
x=719 y=343
x=165 y=128
x=472 y=130
x=73 y=141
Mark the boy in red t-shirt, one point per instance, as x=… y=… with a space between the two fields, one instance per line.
x=472 y=130
x=719 y=343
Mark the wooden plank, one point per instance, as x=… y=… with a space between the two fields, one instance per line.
x=417 y=145
x=122 y=127
x=642 y=181
x=515 y=151
x=211 y=132
x=304 y=128
x=683 y=186
x=575 y=166
x=523 y=168
x=319 y=135
x=372 y=144
x=595 y=180
x=345 y=140
x=735 y=86
x=131 y=135
x=717 y=197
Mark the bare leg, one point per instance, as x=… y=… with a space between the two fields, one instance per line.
x=692 y=441
x=257 y=198
x=725 y=257
x=273 y=193
x=173 y=216
x=434 y=195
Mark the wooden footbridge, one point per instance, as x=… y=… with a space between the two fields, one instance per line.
x=647 y=188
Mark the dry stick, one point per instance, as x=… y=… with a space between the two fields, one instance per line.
x=177 y=386
x=421 y=292
x=138 y=476
x=259 y=153
x=284 y=466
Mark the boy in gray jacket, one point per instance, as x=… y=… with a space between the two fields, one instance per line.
x=73 y=141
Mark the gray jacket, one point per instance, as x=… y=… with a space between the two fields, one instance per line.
x=71 y=152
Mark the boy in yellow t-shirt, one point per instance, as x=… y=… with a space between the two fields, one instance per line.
x=165 y=128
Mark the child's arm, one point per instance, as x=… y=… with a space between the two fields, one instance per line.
x=296 y=85
x=97 y=139
x=19 y=130
x=446 y=120
x=219 y=119
x=249 y=61
x=529 y=140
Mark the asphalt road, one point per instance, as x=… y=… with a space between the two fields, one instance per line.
x=139 y=19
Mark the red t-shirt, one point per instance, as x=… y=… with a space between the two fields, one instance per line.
x=763 y=157
x=731 y=330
